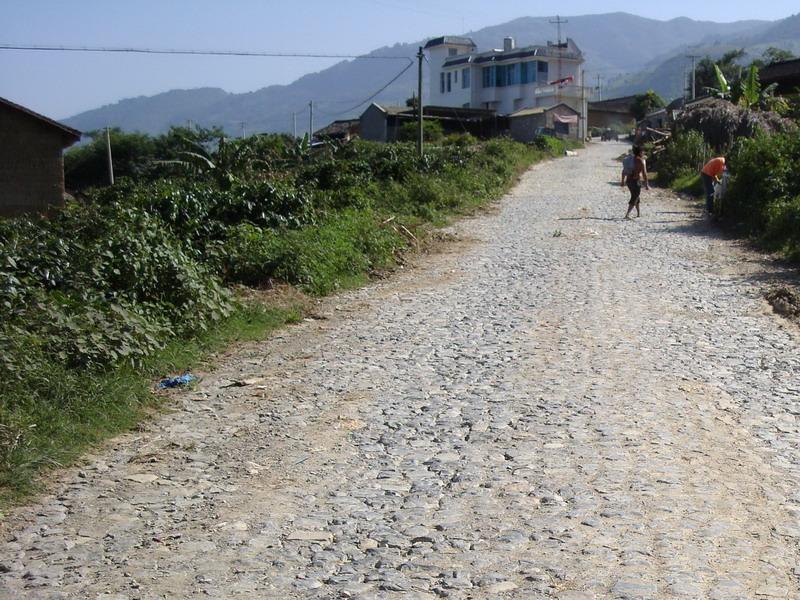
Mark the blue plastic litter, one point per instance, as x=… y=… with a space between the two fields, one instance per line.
x=172 y=382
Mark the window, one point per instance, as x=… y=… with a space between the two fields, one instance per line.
x=488 y=77
x=465 y=78
x=512 y=74
x=452 y=51
x=528 y=72
x=441 y=83
x=449 y=77
x=542 y=70
x=501 y=76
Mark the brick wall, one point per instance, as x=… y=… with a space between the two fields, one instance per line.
x=31 y=164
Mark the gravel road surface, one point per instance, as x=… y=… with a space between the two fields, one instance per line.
x=560 y=404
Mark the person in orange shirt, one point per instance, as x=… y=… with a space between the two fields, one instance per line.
x=712 y=171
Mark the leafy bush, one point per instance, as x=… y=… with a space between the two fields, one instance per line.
x=432 y=131
x=338 y=252
x=684 y=154
x=87 y=165
x=763 y=182
x=549 y=144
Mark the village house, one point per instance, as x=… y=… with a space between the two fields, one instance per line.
x=507 y=80
x=382 y=123
x=785 y=74
x=31 y=160
x=614 y=113
x=560 y=119
x=342 y=130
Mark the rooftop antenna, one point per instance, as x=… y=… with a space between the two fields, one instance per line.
x=558 y=22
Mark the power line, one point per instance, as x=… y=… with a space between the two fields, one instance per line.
x=196 y=52
x=395 y=78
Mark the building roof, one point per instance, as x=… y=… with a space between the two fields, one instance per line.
x=787 y=71
x=339 y=127
x=616 y=105
x=391 y=110
x=439 y=112
x=71 y=135
x=568 y=50
x=451 y=40
x=538 y=110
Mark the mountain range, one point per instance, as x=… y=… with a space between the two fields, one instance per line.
x=629 y=54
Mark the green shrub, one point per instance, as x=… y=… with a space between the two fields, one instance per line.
x=683 y=155
x=782 y=227
x=691 y=184
x=432 y=131
x=763 y=172
x=338 y=252
x=549 y=144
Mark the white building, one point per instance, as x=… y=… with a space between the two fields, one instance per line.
x=507 y=80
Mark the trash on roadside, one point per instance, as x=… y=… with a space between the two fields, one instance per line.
x=180 y=380
x=243 y=382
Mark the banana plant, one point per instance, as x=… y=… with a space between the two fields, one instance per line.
x=724 y=89
x=750 y=89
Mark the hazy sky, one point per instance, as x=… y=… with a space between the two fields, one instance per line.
x=63 y=84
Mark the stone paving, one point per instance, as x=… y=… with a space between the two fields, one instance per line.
x=561 y=405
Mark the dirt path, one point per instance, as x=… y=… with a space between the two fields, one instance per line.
x=571 y=406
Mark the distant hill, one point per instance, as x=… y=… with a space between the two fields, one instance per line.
x=614 y=44
x=667 y=74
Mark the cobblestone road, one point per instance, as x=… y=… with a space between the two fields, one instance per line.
x=562 y=405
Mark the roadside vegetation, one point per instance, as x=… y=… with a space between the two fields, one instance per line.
x=130 y=283
x=758 y=133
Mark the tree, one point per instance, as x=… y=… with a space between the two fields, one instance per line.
x=773 y=55
x=431 y=131
x=646 y=103
x=87 y=165
x=706 y=78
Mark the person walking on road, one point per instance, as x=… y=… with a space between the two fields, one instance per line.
x=632 y=180
x=711 y=172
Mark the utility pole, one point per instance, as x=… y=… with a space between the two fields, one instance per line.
x=110 y=161
x=693 y=57
x=420 y=129
x=599 y=88
x=294 y=124
x=584 y=109
x=558 y=22
x=244 y=130
x=310 y=120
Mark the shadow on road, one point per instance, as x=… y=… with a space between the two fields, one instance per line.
x=590 y=219
x=764 y=268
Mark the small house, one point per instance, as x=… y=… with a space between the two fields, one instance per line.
x=342 y=130
x=31 y=160
x=561 y=119
x=614 y=113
